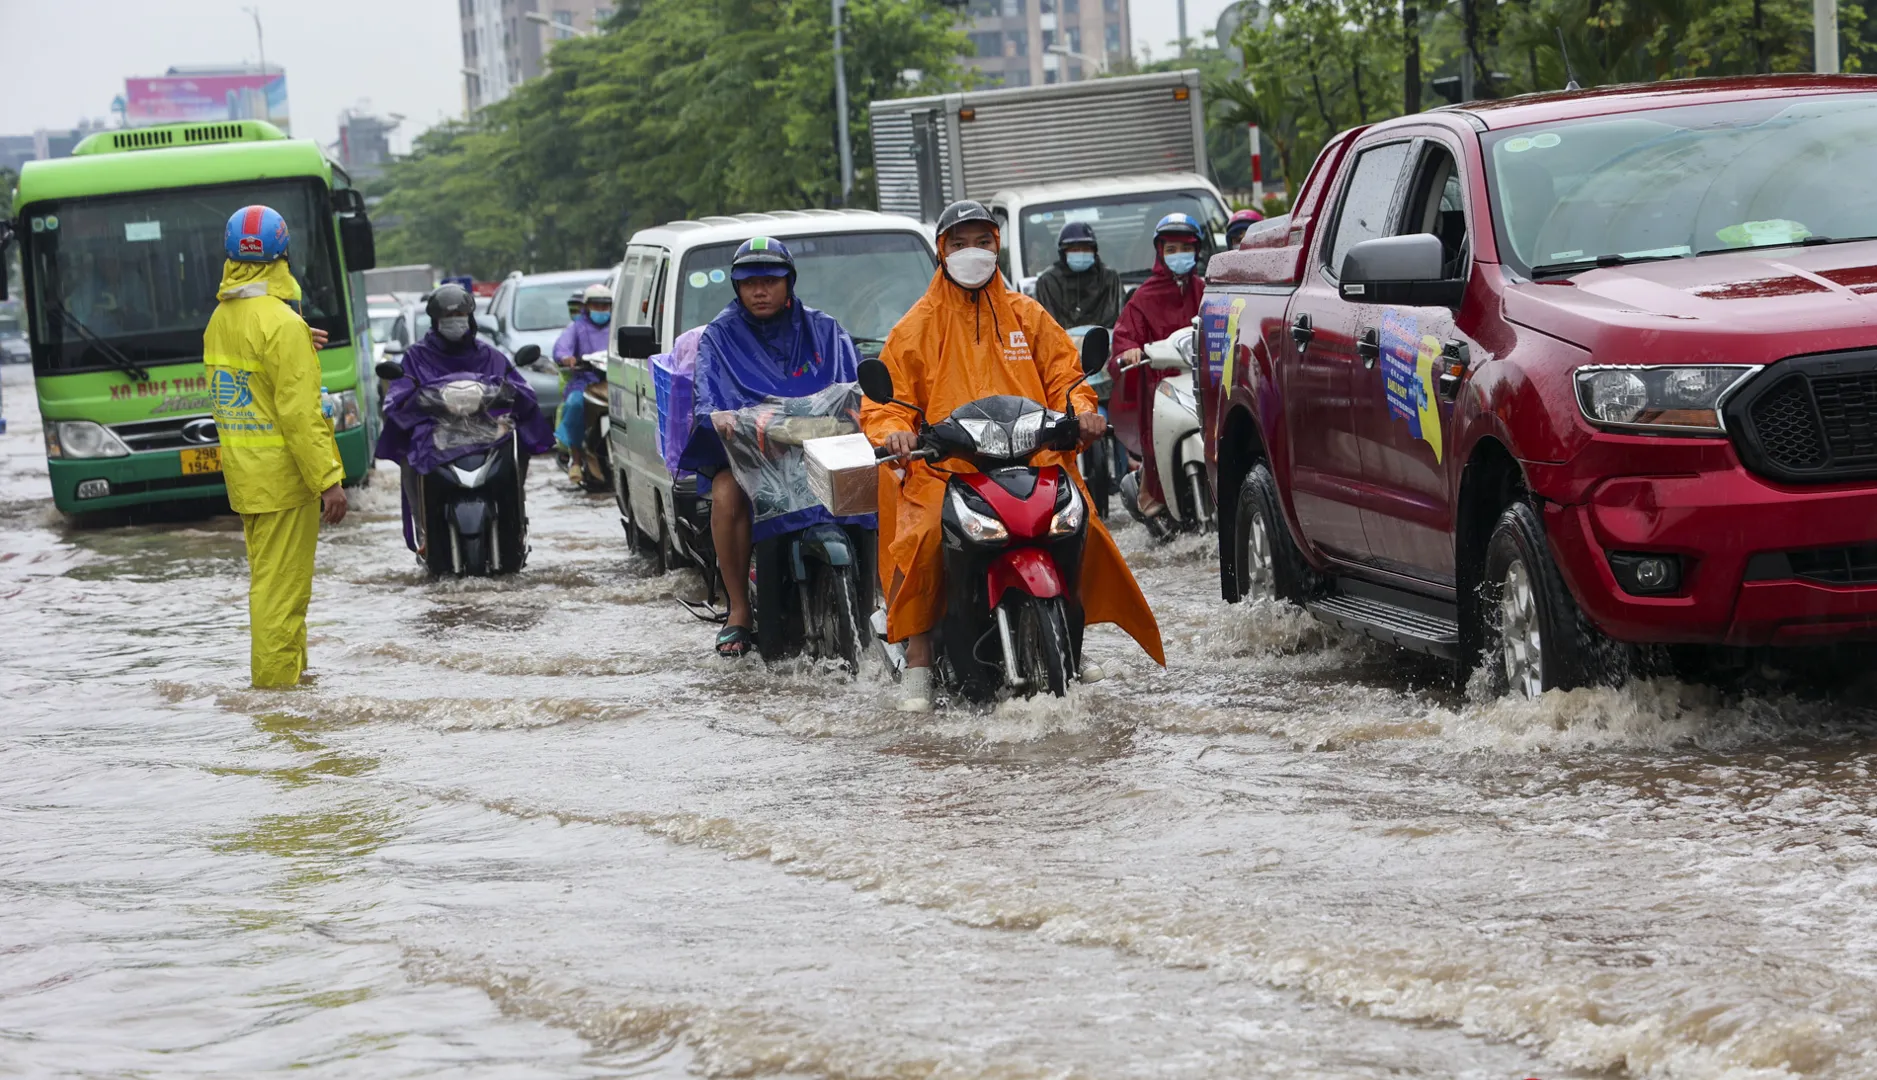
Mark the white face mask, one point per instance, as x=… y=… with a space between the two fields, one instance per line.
x=453 y=327
x=971 y=267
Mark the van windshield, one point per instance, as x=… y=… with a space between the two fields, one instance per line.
x=1124 y=228
x=140 y=270
x=1686 y=181
x=865 y=280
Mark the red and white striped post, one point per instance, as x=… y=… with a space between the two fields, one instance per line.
x=1257 y=168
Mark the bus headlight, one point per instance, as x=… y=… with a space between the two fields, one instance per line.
x=345 y=415
x=83 y=439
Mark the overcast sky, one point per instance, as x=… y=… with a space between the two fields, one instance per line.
x=66 y=59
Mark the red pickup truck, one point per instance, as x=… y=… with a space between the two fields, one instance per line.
x=1563 y=382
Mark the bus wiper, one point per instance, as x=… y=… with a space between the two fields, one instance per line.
x=118 y=360
x=1578 y=266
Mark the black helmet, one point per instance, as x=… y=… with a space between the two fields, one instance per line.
x=450 y=300
x=962 y=211
x=1076 y=232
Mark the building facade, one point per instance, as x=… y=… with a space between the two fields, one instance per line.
x=1032 y=42
x=505 y=42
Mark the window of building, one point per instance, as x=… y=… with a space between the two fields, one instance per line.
x=563 y=24
x=1112 y=7
x=1071 y=7
x=1075 y=73
x=1017 y=44
x=1020 y=77
x=602 y=16
x=1075 y=39
x=987 y=43
x=1113 y=41
x=1049 y=40
x=1013 y=8
x=1049 y=76
x=1047 y=7
x=991 y=9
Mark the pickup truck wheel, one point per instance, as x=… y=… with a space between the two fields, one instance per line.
x=1267 y=561
x=1534 y=637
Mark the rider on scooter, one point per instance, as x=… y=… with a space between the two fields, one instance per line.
x=765 y=343
x=451 y=347
x=1240 y=224
x=586 y=334
x=1078 y=289
x=967 y=338
x=1165 y=302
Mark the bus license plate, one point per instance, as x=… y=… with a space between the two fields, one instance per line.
x=205 y=459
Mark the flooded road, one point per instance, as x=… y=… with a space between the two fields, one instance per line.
x=535 y=829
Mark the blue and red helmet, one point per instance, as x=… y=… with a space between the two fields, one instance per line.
x=1177 y=224
x=255 y=234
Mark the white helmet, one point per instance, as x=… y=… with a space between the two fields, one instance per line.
x=596 y=292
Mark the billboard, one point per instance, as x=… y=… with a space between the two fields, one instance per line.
x=169 y=99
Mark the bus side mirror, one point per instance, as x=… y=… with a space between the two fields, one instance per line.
x=355 y=235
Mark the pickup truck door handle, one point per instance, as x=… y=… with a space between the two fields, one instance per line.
x=1369 y=346
x=1302 y=329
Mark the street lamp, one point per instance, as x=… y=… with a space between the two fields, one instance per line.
x=539 y=17
x=1100 y=62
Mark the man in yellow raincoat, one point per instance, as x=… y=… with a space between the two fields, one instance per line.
x=970 y=337
x=279 y=459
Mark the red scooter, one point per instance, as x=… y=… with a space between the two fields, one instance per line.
x=1014 y=534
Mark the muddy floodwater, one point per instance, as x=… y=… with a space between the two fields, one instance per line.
x=533 y=828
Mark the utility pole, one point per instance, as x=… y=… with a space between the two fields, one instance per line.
x=1469 y=29
x=1182 y=9
x=261 y=43
x=1825 y=36
x=840 y=111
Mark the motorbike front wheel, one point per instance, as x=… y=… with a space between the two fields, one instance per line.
x=1044 y=657
x=835 y=622
x=1098 y=474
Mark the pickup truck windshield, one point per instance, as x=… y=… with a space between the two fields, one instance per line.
x=139 y=271
x=1686 y=181
x=1123 y=224
x=865 y=280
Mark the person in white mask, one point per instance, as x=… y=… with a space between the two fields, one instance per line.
x=969 y=337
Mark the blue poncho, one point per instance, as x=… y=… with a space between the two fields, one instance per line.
x=741 y=360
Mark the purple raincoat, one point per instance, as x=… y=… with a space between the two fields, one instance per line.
x=406 y=438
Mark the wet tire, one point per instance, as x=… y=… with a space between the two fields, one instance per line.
x=437 y=532
x=1266 y=561
x=1039 y=632
x=1533 y=636
x=511 y=536
x=637 y=542
x=661 y=545
x=836 y=621
x=1098 y=474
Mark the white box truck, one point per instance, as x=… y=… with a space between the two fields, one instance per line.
x=1117 y=153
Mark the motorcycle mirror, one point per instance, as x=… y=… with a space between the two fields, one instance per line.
x=1096 y=345
x=876 y=381
x=389 y=369
x=395 y=348
x=527 y=355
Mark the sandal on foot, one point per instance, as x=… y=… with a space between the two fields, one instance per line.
x=735 y=642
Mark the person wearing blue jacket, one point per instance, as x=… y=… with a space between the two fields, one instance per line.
x=765 y=343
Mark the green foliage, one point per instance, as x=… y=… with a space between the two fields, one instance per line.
x=682 y=108
x=1320 y=66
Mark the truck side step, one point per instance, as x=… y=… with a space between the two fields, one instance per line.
x=1393 y=623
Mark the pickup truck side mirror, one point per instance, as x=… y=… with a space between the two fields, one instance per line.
x=1400 y=270
x=637 y=342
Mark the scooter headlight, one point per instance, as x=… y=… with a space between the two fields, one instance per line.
x=463 y=397
x=980 y=528
x=1069 y=518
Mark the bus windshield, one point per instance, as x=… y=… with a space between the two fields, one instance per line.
x=139 y=270
x=865 y=280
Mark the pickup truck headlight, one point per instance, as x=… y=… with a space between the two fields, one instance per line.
x=1676 y=398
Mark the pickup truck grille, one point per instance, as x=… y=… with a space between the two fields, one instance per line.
x=1809 y=420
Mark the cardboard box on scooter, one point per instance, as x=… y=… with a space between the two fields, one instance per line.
x=844 y=474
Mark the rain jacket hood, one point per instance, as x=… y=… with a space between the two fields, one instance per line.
x=742 y=359
x=1161 y=305
x=955 y=346
x=581 y=337
x=278 y=450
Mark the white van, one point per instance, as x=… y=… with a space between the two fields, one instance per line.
x=862 y=267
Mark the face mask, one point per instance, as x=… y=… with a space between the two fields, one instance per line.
x=971 y=267
x=453 y=327
x=1080 y=260
x=600 y=318
x=1182 y=263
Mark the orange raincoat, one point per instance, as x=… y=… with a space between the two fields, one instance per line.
x=955 y=347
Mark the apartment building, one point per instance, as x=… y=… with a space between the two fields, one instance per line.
x=1031 y=42
x=505 y=42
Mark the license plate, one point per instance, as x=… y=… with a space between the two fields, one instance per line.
x=203 y=459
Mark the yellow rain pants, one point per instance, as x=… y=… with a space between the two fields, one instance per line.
x=278 y=452
x=280 y=585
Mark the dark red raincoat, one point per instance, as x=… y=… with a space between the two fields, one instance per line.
x=1161 y=305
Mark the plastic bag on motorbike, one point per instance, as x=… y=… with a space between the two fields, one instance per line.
x=767 y=458
x=674 y=388
x=460 y=408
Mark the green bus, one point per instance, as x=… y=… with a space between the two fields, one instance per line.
x=121 y=253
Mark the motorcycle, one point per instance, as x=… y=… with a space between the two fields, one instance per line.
x=597 y=470
x=1179 y=448
x=812 y=585
x=1014 y=535
x=469 y=515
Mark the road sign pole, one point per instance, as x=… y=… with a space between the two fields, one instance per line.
x=1257 y=167
x=1825 y=36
